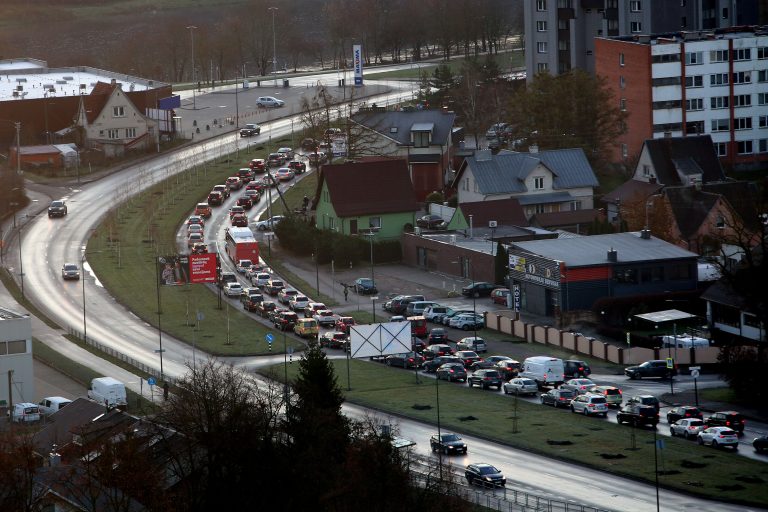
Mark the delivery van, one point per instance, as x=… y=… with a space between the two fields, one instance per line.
x=683 y=341
x=546 y=371
x=52 y=404
x=108 y=391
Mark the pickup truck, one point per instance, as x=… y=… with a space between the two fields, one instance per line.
x=637 y=414
x=249 y=130
x=657 y=368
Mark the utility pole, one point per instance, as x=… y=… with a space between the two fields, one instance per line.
x=194 y=83
x=17 y=124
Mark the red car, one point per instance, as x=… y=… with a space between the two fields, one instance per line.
x=245 y=201
x=499 y=296
x=344 y=323
x=240 y=220
x=258 y=165
x=297 y=167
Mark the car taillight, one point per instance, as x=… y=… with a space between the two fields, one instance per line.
x=581 y=369
x=743 y=422
x=687 y=415
x=728 y=423
x=591 y=405
x=619 y=391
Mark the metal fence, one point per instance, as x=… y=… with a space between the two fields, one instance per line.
x=150 y=370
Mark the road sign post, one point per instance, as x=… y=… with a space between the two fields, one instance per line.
x=151 y=381
x=695 y=375
x=671 y=366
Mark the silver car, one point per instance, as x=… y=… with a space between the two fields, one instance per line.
x=687 y=427
x=719 y=436
x=521 y=386
x=590 y=405
x=579 y=386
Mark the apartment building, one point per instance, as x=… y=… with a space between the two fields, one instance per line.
x=692 y=83
x=559 y=34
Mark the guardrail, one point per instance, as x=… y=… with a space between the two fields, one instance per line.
x=119 y=355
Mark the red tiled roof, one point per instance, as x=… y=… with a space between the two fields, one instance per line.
x=361 y=188
x=94 y=102
x=632 y=190
x=507 y=212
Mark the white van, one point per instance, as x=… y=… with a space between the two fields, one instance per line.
x=684 y=341
x=52 y=404
x=109 y=392
x=546 y=371
x=25 y=412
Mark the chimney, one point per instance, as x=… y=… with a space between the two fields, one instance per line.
x=470 y=225
x=613 y=255
x=113 y=82
x=645 y=234
x=533 y=149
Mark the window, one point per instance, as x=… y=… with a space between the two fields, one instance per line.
x=625 y=275
x=718 y=79
x=667 y=127
x=744 y=147
x=742 y=123
x=562 y=24
x=130 y=133
x=762 y=52
x=665 y=57
x=624 y=150
x=540 y=208
x=542 y=66
x=719 y=102
x=693 y=58
x=17 y=347
x=725 y=13
x=541 y=26
x=694 y=81
x=621 y=59
x=575 y=205
x=720 y=125
x=742 y=54
x=541 y=47
x=762 y=98
x=762 y=146
x=113 y=134
x=466 y=184
x=692 y=127
x=762 y=121
x=538 y=182
x=420 y=139
x=374 y=222
x=613 y=25
x=623 y=104
x=742 y=100
x=742 y=77
x=721 y=148
x=683 y=22
x=762 y=75
x=694 y=104
x=669 y=80
x=118 y=111
x=541 y=5
x=622 y=82
x=635 y=6
x=562 y=45
x=646 y=170
x=635 y=27
x=718 y=56
x=659 y=105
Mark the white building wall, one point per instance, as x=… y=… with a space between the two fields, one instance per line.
x=14 y=328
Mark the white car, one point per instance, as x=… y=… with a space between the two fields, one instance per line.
x=25 y=412
x=195 y=238
x=287 y=152
x=521 y=386
x=467 y=321
x=435 y=313
x=325 y=318
x=261 y=279
x=286 y=294
x=590 y=405
x=719 y=436
x=233 y=289
x=475 y=343
x=243 y=266
x=579 y=386
x=687 y=427
x=298 y=302
x=269 y=101
x=269 y=224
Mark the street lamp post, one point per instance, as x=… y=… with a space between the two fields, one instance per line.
x=274 y=44
x=82 y=278
x=21 y=262
x=192 y=45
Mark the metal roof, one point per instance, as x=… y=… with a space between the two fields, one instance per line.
x=669 y=315
x=553 y=197
x=398 y=125
x=593 y=250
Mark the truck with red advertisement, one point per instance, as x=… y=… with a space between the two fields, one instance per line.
x=241 y=244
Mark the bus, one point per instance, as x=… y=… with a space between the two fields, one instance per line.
x=241 y=245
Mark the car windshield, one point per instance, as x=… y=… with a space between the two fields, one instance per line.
x=566 y=393
x=695 y=423
x=488 y=470
x=598 y=400
x=450 y=437
x=57 y=203
x=527 y=382
x=70 y=267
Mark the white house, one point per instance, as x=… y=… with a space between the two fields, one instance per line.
x=16 y=357
x=112 y=123
x=541 y=181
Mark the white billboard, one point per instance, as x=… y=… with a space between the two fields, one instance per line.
x=357 y=63
x=372 y=340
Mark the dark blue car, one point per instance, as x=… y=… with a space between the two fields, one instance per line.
x=365 y=286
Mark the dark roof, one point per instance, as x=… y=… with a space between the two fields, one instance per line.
x=397 y=125
x=507 y=212
x=593 y=250
x=721 y=292
x=506 y=171
x=59 y=429
x=743 y=197
x=632 y=190
x=418 y=158
x=566 y=218
x=672 y=156
x=376 y=187
x=690 y=207
x=94 y=102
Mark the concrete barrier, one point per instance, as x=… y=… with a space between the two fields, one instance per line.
x=569 y=341
x=553 y=336
x=540 y=334
x=599 y=349
x=505 y=325
x=615 y=354
x=582 y=345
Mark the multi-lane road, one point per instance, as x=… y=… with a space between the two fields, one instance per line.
x=47 y=243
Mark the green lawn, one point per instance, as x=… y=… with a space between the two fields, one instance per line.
x=505 y=60
x=124 y=248
x=560 y=434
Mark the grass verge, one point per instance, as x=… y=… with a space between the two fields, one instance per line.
x=685 y=466
x=124 y=249
x=13 y=289
x=505 y=60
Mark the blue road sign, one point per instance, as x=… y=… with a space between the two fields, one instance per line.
x=151 y=381
x=269 y=337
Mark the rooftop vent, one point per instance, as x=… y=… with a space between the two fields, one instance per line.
x=613 y=255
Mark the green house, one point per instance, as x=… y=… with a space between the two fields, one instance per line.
x=352 y=198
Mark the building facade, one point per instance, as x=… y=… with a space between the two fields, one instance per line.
x=16 y=358
x=692 y=83
x=559 y=34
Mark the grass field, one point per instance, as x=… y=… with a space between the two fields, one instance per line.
x=560 y=434
x=506 y=61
